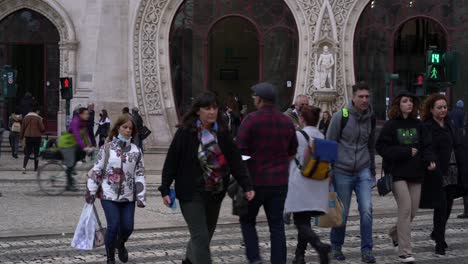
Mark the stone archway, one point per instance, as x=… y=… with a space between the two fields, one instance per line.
x=67 y=45
x=152 y=78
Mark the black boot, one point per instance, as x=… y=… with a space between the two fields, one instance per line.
x=299 y=255
x=70 y=181
x=122 y=251
x=322 y=249
x=110 y=255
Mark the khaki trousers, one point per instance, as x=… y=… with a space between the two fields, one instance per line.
x=407 y=195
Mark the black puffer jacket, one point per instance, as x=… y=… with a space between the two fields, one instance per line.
x=394 y=144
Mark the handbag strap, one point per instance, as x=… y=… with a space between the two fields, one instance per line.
x=97 y=216
x=307 y=138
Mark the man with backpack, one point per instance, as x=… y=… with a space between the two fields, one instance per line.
x=353 y=128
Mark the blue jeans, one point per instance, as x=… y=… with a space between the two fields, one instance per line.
x=361 y=183
x=120 y=218
x=272 y=199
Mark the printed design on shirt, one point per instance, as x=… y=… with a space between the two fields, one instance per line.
x=407 y=136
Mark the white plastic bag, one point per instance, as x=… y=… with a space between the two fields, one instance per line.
x=85 y=230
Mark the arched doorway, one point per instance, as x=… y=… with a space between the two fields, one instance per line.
x=378 y=50
x=29 y=43
x=264 y=39
x=233 y=58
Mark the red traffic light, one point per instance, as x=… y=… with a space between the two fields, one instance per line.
x=419 y=79
x=66 y=82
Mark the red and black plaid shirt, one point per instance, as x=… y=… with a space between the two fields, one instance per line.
x=269 y=137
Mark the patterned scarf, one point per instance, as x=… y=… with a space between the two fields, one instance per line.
x=212 y=160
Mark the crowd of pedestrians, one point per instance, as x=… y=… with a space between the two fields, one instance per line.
x=426 y=157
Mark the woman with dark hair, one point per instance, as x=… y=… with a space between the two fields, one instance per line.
x=406 y=153
x=307 y=197
x=325 y=122
x=444 y=184
x=199 y=161
x=103 y=127
x=122 y=184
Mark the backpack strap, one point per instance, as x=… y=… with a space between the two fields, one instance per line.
x=344 y=120
x=345 y=117
x=307 y=138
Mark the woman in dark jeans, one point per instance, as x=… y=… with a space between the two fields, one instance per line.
x=441 y=186
x=200 y=159
x=122 y=185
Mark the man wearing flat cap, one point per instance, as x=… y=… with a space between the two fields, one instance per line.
x=269 y=138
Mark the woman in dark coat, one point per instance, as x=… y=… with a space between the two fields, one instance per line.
x=441 y=186
x=200 y=159
x=405 y=149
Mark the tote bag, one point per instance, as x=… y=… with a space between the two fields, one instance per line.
x=335 y=215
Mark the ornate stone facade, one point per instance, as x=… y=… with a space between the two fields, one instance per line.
x=320 y=22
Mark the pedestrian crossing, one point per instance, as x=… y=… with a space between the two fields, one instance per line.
x=164 y=246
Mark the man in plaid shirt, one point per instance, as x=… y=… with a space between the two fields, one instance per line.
x=269 y=137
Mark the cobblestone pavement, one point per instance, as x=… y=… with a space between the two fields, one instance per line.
x=167 y=245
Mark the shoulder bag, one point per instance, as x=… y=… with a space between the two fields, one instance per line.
x=384 y=184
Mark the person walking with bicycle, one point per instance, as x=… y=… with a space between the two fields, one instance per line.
x=82 y=144
x=118 y=179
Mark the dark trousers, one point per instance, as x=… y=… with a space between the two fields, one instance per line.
x=465 y=204
x=32 y=146
x=201 y=215
x=14 y=143
x=120 y=219
x=272 y=198
x=302 y=221
x=91 y=136
x=442 y=214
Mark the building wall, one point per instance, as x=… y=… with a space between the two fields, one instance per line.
x=117 y=52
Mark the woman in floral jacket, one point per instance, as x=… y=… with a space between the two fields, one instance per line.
x=122 y=184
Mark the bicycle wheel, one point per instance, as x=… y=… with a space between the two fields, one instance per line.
x=52 y=178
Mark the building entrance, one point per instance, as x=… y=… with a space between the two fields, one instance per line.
x=228 y=46
x=29 y=44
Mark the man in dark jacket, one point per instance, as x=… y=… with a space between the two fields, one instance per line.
x=269 y=137
x=90 y=126
x=458 y=115
x=139 y=125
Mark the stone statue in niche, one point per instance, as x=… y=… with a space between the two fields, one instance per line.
x=324 y=70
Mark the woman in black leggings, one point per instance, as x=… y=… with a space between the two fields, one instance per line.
x=31 y=131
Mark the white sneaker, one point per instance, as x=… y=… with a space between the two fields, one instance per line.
x=406 y=259
x=24 y=170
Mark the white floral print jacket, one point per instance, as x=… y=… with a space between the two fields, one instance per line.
x=124 y=175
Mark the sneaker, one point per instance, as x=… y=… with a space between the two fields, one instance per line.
x=368 y=257
x=24 y=171
x=406 y=259
x=338 y=255
x=71 y=188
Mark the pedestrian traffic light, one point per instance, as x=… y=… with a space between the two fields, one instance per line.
x=435 y=66
x=8 y=81
x=66 y=90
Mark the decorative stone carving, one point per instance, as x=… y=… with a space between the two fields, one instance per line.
x=324 y=69
x=146 y=56
x=320 y=23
